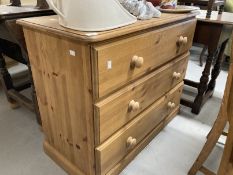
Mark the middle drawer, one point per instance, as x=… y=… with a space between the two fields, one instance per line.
x=115 y=150
x=118 y=109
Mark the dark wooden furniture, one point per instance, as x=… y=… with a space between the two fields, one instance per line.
x=208 y=32
x=208 y=5
x=41 y=4
x=15 y=3
x=225 y=115
x=12 y=44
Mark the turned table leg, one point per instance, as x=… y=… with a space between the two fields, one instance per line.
x=203 y=86
x=217 y=68
x=42 y=4
x=210 y=8
x=6 y=81
x=15 y=3
x=221 y=9
x=205 y=48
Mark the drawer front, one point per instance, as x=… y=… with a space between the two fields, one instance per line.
x=125 y=140
x=119 y=62
x=121 y=107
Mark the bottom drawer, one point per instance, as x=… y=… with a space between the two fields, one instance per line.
x=127 y=138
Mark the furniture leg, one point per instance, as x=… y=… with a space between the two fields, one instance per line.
x=202 y=55
x=221 y=9
x=210 y=8
x=217 y=67
x=42 y=4
x=225 y=115
x=203 y=83
x=213 y=137
x=15 y=3
x=6 y=81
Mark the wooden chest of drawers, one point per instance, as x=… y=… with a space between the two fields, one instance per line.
x=104 y=96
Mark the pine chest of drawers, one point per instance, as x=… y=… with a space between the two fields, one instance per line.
x=103 y=96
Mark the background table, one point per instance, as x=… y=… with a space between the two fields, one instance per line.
x=12 y=44
x=210 y=32
x=208 y=5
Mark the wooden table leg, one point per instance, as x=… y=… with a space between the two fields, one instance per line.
x=15 y=3
x=221 y=9
x=6 y=81
x=217 y=68
x=210 y=8
x=42 y=4
x=203 y=86
x=205 y=48
x=225 y=115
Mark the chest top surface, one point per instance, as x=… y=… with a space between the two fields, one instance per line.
x=50 y=24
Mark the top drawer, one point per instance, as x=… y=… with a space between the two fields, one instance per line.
x=117 y=63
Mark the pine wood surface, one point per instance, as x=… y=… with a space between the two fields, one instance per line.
x=226 y=165
x=161 y=44
x=114 y=110
x=63 y=91
x=129 y=157
x=115 y=148
x=64 y=67
x=50 y=25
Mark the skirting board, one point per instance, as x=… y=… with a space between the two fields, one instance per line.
x=58 y=158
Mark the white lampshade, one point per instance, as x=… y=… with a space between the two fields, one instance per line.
x=91 y=15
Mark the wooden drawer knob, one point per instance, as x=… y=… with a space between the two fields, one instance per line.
x=176 y=75
x=137 y=61
x=131 y=142
x=183 y=40
x=171 y=105
x=133 y=105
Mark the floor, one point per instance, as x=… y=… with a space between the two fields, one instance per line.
x=172 y=152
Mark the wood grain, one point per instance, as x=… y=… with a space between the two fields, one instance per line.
x=69 y=69
x=226 y=165
x=114 y=149
x=129 y=157
x=61 y=160
x=114 y=111
x=63 y=87
x=225 y=115
x=156 y=47
x=50 y=25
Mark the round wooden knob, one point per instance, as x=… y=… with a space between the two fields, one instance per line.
x=171 y=105
x=131 y=142
x=133 y=105
x=183 y=40
x=137 y=61
x=176 y=75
